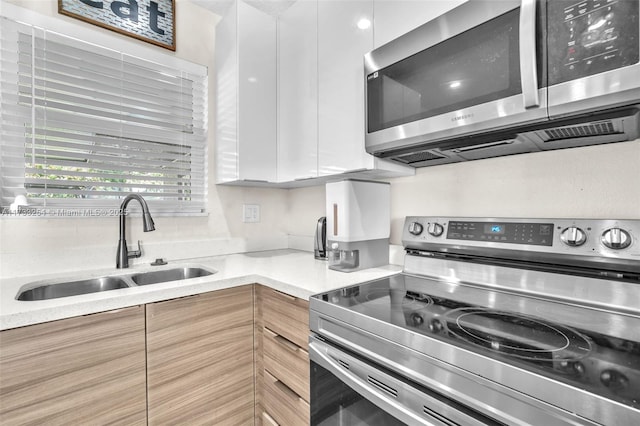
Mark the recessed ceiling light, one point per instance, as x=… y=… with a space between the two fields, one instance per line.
x=364 y=23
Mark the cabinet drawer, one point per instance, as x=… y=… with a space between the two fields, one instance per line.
x=287 y=361
x=283 y=404
x=286 y=315
x=267 y=420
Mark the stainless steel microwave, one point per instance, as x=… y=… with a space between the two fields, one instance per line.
x=501 y=77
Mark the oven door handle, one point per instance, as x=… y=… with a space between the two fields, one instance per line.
x=402 y=400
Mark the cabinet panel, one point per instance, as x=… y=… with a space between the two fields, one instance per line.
x=258 y=347
x=298 y=92
x=267 y=420
x=283 y=404
x=246 y=81
x=287 y=361
x=257 y=91
x=342 y=44
x=83 y=370
x=286 y=315
x=392 y=18
x=200 y=359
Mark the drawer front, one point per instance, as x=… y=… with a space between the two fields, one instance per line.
x=283 y=404
x=286 y=315
x=267 y=420
x=287 y=361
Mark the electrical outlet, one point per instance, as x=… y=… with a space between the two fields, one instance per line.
x=251 y=213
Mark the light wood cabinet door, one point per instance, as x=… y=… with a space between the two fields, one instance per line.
x=284 y=405
x=287 y=361
x=258 y=348
x=286 y=315
x=200 y=359
x=282 y=361
x=83 y=370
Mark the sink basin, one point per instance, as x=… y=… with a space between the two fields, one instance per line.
x=167 y=275
x=73 y=288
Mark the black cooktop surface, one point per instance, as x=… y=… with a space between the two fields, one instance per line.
x=591 y=349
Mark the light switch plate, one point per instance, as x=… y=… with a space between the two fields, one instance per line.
x=251 y=213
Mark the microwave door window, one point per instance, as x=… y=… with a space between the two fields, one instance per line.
x=477 y=66
x=400 y=100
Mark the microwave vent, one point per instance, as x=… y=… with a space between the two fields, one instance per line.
x=416 y=157
x=581 y=131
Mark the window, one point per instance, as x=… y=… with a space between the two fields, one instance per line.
x=83 y=125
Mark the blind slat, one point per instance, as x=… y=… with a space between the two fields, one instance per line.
x=84 y=126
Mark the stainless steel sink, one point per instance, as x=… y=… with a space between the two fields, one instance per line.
x=73 y=288
x=166 y=275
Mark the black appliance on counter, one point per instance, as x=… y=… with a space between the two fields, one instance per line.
x=492 y=321
x=320 y=239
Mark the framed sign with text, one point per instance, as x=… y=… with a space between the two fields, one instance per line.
x=152 y=21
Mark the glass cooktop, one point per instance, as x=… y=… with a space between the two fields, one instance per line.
x=587 y=348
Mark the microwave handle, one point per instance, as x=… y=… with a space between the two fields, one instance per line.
x=528 y=54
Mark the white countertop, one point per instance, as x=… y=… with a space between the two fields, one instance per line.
x=293 y=272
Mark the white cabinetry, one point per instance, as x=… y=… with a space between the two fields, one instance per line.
x=246 y=80
x=341 y=46
x=392 y=18
x=345 y=34
x=298 y=91
x=290 y=93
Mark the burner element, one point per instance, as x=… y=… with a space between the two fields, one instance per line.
x=411 y=301
x=517 y=335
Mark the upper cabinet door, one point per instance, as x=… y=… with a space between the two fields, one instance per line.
x=345 y=34
x=257 y=94
x=246 y=80
x=396 y=17
x=298 y=91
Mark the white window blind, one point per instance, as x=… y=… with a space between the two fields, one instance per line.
x=83 y=126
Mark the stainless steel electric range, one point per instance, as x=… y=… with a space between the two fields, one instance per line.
x=492 y=321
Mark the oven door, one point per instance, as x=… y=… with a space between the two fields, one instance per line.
x=479 y=67
x=349 y=390
x=594 y=52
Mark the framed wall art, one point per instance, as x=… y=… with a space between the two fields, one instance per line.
x=152 y=21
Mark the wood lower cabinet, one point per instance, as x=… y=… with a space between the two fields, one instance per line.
x=237 y=356
x=282 y=359
x=82 y=370
x=200 y=359
x=286 y=315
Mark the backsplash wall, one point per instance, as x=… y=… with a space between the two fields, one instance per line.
x=600 y=181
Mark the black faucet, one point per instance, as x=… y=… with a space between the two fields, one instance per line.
x=122 y=258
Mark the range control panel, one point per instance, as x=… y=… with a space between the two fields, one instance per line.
x=504 y=232
x=612 y=243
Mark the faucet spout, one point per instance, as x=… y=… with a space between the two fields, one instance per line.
x=124 y=254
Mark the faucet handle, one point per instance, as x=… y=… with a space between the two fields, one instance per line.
x=135 y=253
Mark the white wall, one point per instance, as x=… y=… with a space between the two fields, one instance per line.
x=34 y=246
x=600 y=181
x=593 y=182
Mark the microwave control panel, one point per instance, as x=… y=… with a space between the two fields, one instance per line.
x=590 y=37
